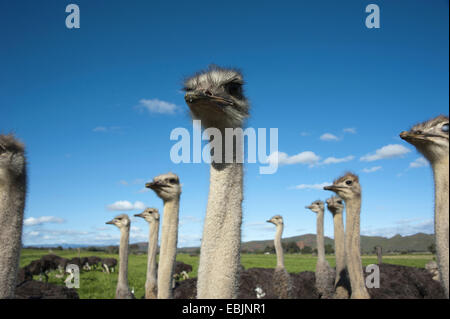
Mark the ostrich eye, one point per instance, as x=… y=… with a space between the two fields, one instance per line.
x=444 y=129
x=349 y=182
x=234 y=88
x=172 y=181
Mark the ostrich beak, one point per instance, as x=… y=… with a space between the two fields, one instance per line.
x=411 y=136
x=331 y=188
x=111 y=222
x=193 y=97
x=138 y=215
x=152 y=185
x=404 y=135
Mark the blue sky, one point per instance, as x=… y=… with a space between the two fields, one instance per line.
x=96 y=105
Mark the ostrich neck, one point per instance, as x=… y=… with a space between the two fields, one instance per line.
x=352 y=249
x=320 y=239
x=441 y=220
x=122 y=282
x=220 y=248
x=12 y=203
x=279 y=247
x=168 y=249
x=339 y=243
x=150 y=285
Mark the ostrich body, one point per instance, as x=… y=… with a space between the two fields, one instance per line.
x=123 y=223
x=336 y=206
x=151 y=215
x=167 y=187
x=324 y=273
x=431 y=139
x=13 y=184
x=281 y=279
x=108 y=264
x=215 y=97
x=349 y=189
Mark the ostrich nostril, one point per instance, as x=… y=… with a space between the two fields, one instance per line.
x=207 y=92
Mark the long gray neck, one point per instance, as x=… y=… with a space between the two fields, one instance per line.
x=352 y=249
x=320 y=239
x=279 y=247
x=441 y=219
x=151 y=282
x=339 y=244
x=168 y=251
x=12 y=204
x=220 y=248
x=122 y=282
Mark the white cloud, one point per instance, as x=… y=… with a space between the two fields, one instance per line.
x=123 y=182
x=334 y=160
x=259 y=226
x=306 y=157
x=105 y=129
x=32 y=221
x=371 y=169
x=403 y=227
x=350 y=130
x=157 y=106
x=100 y=129
x=329 y=137
x=420 y=162
x=189 y=219
x=124 y=205
x=388 y=151
x=304 y=134
x=313 y=186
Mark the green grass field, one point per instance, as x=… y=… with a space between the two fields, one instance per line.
x=96 y=284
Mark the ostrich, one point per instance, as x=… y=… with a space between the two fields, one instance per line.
x=94 y=261
x=335 y=205
x=13 y=185
x=151 y=215
x=108 y=264
x=431 y=139
x=168 y=188
x=123 y=223
x=324 y=273
x=349 y=189
x=215 y=96
x=281 y=279
x=181 y=271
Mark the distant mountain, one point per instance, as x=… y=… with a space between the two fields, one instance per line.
x=65 y=246
x=417 y=243
x=414 y=243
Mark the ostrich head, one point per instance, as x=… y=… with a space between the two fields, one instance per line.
x=316 y=206
x=151 y=215
x=166 y=186
x=12 y=159
x=347 y=187
x=276 y=220
x=121 y=221
x=335 y=205
x=215 y=96
x=430 y=138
